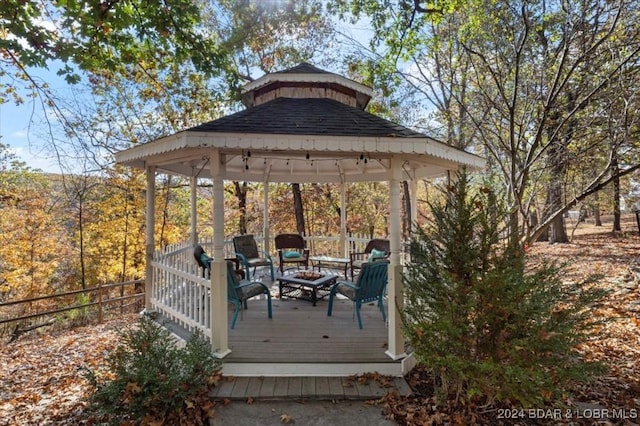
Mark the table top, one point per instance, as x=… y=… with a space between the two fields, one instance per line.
x=329 y=259
x=291 y=278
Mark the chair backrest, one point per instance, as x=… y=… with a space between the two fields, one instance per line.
x=372 y=280
x=198 y=251
x=246 y=245
x=378 y=244
x=293 y=241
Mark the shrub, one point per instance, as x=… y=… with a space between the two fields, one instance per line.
x=489 y=327
x=151 y=378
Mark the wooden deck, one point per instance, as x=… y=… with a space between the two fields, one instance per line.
x=300 y=332
x=301 y=340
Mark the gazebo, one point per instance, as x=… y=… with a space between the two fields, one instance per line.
x=301 y=125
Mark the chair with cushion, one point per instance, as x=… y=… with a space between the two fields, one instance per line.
x=291 y=249
x=370 y=286
x=204 y=262
x=203 y=259
x=376 y=249
x=238 y=292
x=246 y=250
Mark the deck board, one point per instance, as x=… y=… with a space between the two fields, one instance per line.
x=267 y=388
x=300 y=332
x=254 y=386
x=322 y=387
x=240 y=388
x=281 y=388
x=308 y=386
x=319 y=388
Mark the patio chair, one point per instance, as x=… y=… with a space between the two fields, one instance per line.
x=204 y=262
x=246 y=250
x=376 y=249
x=203 y=259
x=370 y=286
x=291 y=249
x=238 y=292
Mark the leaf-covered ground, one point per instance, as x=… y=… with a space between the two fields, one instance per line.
x=41 y=380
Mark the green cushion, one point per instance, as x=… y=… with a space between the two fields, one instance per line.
x=206 y=260
x=291 y=254
x=346 y=290
x=376 y=254
x=250 y=290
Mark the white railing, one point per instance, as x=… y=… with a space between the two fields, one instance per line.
x=181 y=293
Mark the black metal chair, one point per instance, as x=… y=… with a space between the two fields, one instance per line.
x=291 y=249
x=376 y=249
x=203 y=259
x=204 y=262
x=246 y=250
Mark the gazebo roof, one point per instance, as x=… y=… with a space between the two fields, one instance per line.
x=303 y=125
x=290 y=116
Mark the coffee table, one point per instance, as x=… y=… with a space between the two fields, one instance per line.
x=329 y=261
x=306 y=285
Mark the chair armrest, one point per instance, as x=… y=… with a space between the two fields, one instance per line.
x=241 y=257
x=235 y=260
x=357 y=255
x=266 y=255
x=348 y=284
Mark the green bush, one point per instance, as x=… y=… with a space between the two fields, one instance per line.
x=491 y=328
x=149 y=377
x=82 y=315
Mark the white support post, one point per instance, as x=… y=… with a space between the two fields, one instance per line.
x=395 y=288
x=219 y=318
x=265 y=216
x=150 y=234
x=193 y=185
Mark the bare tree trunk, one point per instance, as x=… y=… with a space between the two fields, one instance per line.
x=298 y=208
x=596 y=209
x=241 y=195
x=83 y=266
x=616 y=194
x=406 y=223
x=557 y=231
x=165 y=211
x=125 y=243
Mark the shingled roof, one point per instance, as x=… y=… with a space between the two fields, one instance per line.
x=304 y=68
x=289 y=116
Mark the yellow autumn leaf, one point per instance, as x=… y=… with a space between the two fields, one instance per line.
x=285 y=418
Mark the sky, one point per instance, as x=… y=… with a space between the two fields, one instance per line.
x=22 y=127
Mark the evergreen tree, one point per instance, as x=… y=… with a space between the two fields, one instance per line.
x=490 y=324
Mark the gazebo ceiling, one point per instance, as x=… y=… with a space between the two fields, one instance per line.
x=312 y=132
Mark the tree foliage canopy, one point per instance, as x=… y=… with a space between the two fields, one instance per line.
x=533 y=86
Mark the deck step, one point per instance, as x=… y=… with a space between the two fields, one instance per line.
x=318 y=388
